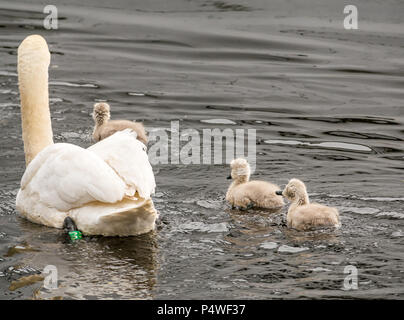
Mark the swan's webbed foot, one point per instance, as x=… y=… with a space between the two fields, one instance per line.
x=71 y=229
x=69 y=225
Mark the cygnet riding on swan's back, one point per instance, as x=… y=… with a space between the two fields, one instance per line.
x=106 y=189
x=246 y=194
x=104 y=127
x=303 y=215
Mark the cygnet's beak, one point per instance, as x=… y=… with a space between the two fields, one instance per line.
x=229 y=177
x=278 y=192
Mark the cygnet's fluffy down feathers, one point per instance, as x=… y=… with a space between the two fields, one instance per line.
x=303 y=215
x=312 y=215
x=244 y=193
x=255 y=193
x=105 y=127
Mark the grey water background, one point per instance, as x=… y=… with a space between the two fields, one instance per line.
x=327 y=104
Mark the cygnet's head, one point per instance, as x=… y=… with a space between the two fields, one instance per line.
x=240 y=170
x=101 y=113
x=295 y=190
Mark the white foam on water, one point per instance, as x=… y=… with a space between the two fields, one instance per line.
x=388 y=199
x=71 y=135
x=209 y=204
x=9 y=104
x=70 y=84
x=288 y=249
x=269 y=245
x=7 y=73
x=53 y=100
x=397 y=234
x=391 y=214
x=218 y=121
x=326 y=145
x=380 y=199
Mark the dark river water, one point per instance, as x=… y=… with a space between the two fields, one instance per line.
x=327 y=105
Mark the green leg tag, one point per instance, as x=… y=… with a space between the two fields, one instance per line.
x=75 y=235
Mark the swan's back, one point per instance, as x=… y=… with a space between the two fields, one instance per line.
x=66 y=176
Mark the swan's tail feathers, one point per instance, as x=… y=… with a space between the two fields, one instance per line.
x=101 y=113
x=126 y=218
x=33 y=63
x=133 y=221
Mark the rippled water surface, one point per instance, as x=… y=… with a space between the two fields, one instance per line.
x=327 y=104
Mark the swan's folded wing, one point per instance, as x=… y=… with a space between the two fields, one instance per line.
x=127 y=156
x=65 y=176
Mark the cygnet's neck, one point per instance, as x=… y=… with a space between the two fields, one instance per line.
x=101 y=119
x=33 y=63
x=301 y=200
x=239 y=180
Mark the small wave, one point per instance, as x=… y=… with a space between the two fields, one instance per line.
x=361 y=210
x=54 y=100
x=397 y=234
x=144 y=94
x=209 y=204
x=353 y=197
x=391 y=214
x=319 y=269
x=8 y=104
x=388 y=199
x=218 y=121
x=7 y=73
x=326 y=145
x=202 y=227
x=74 y=135
x=269 y=245
x=373 y=211
x=20 y=249
x=288 y=249
x=70 y=84
x=8 y=91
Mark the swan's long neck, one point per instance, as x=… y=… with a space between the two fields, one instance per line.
x=33 y=63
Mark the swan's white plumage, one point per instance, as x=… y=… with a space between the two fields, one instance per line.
x=106 y=188
x=89 y=185
x=135 y=170
x=67 y=176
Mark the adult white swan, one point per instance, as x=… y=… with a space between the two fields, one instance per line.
x=106 y=189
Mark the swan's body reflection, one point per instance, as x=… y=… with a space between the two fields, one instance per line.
x=256 y=227
x=95 y=267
